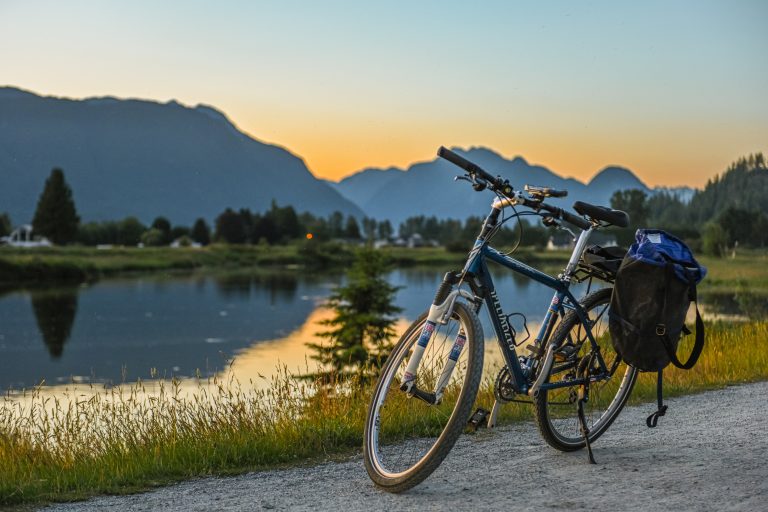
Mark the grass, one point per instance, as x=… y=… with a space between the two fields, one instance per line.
x=81 y=264
x=131 y=438
x=88 y=263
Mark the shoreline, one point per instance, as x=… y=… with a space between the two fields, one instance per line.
x=77 y=264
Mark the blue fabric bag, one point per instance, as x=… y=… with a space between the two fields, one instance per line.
x=657 y=247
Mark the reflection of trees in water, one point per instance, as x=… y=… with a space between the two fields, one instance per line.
x=752 y=305
x=281 y=286
x=233 y=285
x=55 y=312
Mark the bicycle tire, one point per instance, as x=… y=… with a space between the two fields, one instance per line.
x=556 y=410
x=426 y=432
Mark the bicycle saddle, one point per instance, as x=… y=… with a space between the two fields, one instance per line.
x=615 y=217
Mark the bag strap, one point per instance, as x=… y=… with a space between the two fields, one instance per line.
x=653 y=419
x=698 y=344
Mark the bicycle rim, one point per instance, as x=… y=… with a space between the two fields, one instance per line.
x=558 y=407
x=406 y=438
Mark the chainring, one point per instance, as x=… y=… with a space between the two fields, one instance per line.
x=502 y=389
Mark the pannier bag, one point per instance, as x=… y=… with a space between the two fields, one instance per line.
x=654 y=287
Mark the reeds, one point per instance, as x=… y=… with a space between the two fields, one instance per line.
x=138 y=436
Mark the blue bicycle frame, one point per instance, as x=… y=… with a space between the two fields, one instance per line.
x=476 y=274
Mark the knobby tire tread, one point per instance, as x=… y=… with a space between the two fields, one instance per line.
x=540 y=402
x=456 y=424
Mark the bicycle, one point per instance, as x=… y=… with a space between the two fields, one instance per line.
x=427 y=387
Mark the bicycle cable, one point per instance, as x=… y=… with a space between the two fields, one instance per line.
x=515 y=215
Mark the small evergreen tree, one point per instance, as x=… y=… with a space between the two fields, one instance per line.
x=129 y=231
x=335 y=224
x=201 y=233
x=352 y=229
x=633 y=202
x=385 y=230
x=56 y=216
x=164 y=226
x=360 y=331
x=230 y=227
x=5 y=225
x=369 y=228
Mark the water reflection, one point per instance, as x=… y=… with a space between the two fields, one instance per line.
x=55 y=312
x=134 y=328
x=201 y=324
x=740 y=305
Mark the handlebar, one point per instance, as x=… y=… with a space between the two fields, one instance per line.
x=500 y=185
x=557 y=212
x=468 y=166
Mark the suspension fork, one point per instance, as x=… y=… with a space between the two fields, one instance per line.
x=439 y=313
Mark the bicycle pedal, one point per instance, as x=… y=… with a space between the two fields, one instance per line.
x=479 y=419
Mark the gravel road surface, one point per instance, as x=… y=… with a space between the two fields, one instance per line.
x=710 y=452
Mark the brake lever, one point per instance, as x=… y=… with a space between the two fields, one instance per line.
x=477 y=184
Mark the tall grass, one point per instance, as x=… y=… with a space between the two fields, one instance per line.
x=134 y=437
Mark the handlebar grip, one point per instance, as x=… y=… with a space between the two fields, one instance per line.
x=465 y=164
x=553 y=192
x=576 y=220
x=560 y=213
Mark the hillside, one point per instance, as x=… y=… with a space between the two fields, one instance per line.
x=743 y=186
x=142 y=158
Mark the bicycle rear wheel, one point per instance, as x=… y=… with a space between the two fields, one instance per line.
x=405 y=437
x=556 y=409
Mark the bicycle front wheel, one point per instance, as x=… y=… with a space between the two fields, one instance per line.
x=406 y=438
x=556 y=409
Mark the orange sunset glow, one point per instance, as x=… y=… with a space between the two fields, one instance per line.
x=673 y=92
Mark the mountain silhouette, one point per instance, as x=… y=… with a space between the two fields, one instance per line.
x=428 y=188
x=143 y=158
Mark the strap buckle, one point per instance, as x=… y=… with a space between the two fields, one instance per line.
x=661 y=329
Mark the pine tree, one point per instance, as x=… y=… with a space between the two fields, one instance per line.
x=5 y=225
x=369 y=228
x=362 y=326
x=352 y=229
x=201 y=233
x=163 y=225
x=385 y=230
x=56 y=216
x=230 y=227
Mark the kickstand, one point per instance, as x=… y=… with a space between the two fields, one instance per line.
x=494 y=414
x=583 y=393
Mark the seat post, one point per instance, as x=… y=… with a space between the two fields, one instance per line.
x=578 y=250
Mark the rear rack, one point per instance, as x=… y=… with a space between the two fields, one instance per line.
x=600 y=263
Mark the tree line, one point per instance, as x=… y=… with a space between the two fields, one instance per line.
x=730 y=211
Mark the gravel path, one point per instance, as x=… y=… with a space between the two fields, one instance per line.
x=709 y=453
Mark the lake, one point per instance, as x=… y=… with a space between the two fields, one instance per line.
x=121 y=330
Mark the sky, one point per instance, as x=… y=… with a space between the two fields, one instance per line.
x=674 y=90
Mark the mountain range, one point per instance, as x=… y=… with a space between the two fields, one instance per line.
x=143 y=158
x=428 y=188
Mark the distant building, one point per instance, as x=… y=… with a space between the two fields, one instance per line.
x=24 y=237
